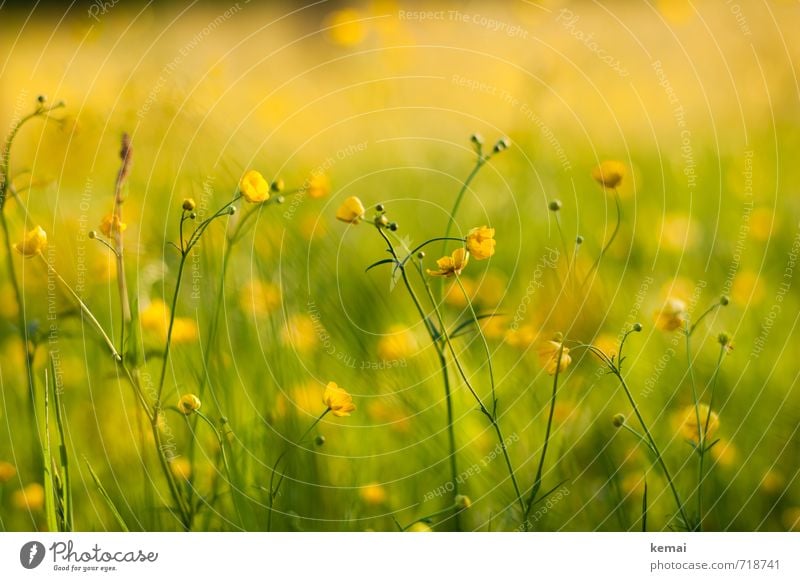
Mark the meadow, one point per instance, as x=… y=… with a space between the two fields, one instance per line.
x=348 y=267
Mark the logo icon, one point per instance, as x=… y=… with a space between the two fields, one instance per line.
x=31 y=554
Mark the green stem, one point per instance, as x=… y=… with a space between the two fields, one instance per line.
x=483 y=340
x=608 y=244
x=537 y=481
x=459 y=197
x=169 y=329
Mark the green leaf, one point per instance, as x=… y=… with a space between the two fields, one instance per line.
x=383 y=261
x=112 y=507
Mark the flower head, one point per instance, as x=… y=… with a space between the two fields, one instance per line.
x=338 y=400
x=548 y=357
x=188 y=404
x=7 y=472
x=609 y=174
x=351 y=211
x=30 y=497
x=34 y=243
x=672 y=315
x=451 y=265
x=318 y=185
x=112 y=225
x=373 y=493
x=254 y=187
x=709 y=422
x=481 y=242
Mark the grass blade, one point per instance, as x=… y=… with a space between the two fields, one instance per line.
x=101 y=489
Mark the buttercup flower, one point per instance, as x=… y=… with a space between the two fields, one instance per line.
x=254 y=187
x=34 y=243
x=609 y=174
x=338 y=400
x=548 y=357
x=318 y=185
x=181 y=468
x=451 y=265
x=419 y=527
x=7 y=472
x=29 y=498
x=351 y=211
x=672 y=315
x=188 y=404
x=481 y=242
x=112 y=225
x=688 y=423
x=373 y=493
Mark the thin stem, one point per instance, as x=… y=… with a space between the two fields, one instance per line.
x=702 y=451
x=273 y=488
x=451 y=220
x=169 y=329
x=483 y=340
x=610 y=240
x=537 y=481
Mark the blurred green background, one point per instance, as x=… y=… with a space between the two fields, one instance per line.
x=699 y=100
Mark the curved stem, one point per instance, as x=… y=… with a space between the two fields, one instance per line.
x=608 y=244
x=168 y=344
x=459 y=197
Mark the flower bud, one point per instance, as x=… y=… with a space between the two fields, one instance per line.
x=393 y=226
x=188 y=204
x=319 y=440
x=637 y=327
x=188 y=403
x=277 y=185
x=554 y=206
x=476 y=138
x=579 y=240
x=502 y=144
x=618 y=420
x=724 y=300
x=379 y=208
x=463 y=502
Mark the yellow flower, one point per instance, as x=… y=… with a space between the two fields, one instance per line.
x=7 y=472
x=689 y=427
x=608 y=344
x=398 y=343
x=184 y=330
x=300 y=332
x=318 y=185
x=609 y=174
x=548 y=357
x=724 y=452
x=29 y=498
x=181 y=468
x=112 y=225
x=34 y=243
x=672 y=315
x=155 y=317
x=373 y=493
x=188 y=403
x=254 y=187
x=345 y=27
x=419 y=527
x=351 y=210
x=338 y=400
x=481 y=242
x=773 y=482
x=450 y=265
x=260 y=298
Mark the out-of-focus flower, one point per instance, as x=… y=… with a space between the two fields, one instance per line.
x=454 y=296
x=300 y=333
x=672 y=315
x=633 y=484
x=351 y=211
x=346 y=27
x=419 y=527
x=318 y=185
x=451 y=265
x=155 y=320
x=548 y=357
x=181 y=468
x=724 y=452
x=34 y=243
x=30 y=497
x=773 y=482
x=373 y=493
x=709 y=423
x=608 y=344
x=398 y=343
x=7 y=472
x=254 y=188
x=791 y=518
x=111 y=225
x=338 y=400
x=609 y=173
x=260 y=298
x=748 y=288
x=481 y=242
x=189 y=403
x=762 y=224
x=522 y=336
x=679 y=233
x=184 y=330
